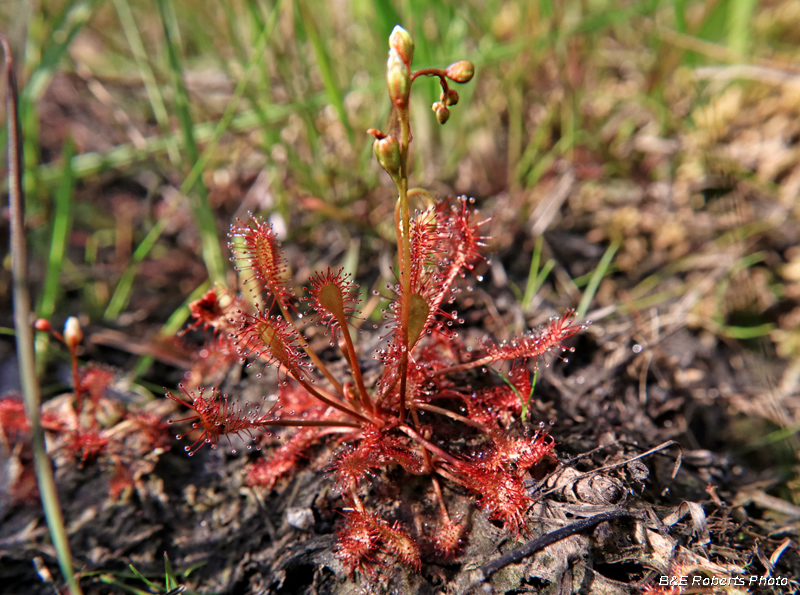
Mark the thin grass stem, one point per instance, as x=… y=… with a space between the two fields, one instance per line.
x=24 y=332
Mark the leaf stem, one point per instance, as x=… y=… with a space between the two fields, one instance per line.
x=431 y=447
x=312 y=355
x=308 y=423
x=325 y=399
x=352 y=360
x=484 y=361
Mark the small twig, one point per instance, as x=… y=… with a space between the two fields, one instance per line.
x=24 y=331
x=533 y=546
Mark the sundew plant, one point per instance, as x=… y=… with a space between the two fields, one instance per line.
x=421 y=417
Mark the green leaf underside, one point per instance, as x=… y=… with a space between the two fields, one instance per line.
x=330 y=297
x=274 y=344
x=265 y=259
x=417 y=318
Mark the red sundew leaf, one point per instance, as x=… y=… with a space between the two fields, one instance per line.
x=152 y=433
x=268 y=337
x=408 y=460
x=212 y=361
x=212 y=311
x=258 y=247
x=216 y=418
x=502 y=493
x=363 y=535
x=522 y=453
x=537 y=344
x=13 y=421
x=459 y=240
x=207 y=310
x=423 y=241
x=332 y=298
x=425 y=315
x=266 y=472
x=86 y=444
x=396 y=542
x=357 y=541
x=444 y=245
x=93 y=381
x=448 y=538
x=352 y=467
x=296 y=401
x=500 y=403
x=121 y=481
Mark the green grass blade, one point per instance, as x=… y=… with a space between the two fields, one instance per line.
x=326 y=70
x=596 y=277
x=233 y=104
x=748 y=332
x=63 y=31
x=110 y=580
x=386 y=17
x=148 y=77
x=169 y=574
x=90 y=164
x=203 y=215
x=55 y=42
x=740 y=19
x=62 y=223
x=679 y=8
x=121 y=295
x=143 y=578
x=533 y=273
x=615 y=16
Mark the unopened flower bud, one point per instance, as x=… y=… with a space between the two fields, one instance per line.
x=73 y=335
x=401 y=42
x=387 y=151
x=42 y=325
x=451 y=98
x=441 y=111
x=461 y=72
x=398 y=78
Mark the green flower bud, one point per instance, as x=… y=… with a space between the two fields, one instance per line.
x=461 y=72
x=401 y=42
x=398 y=78
x=441 y=111
x=387 y=152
